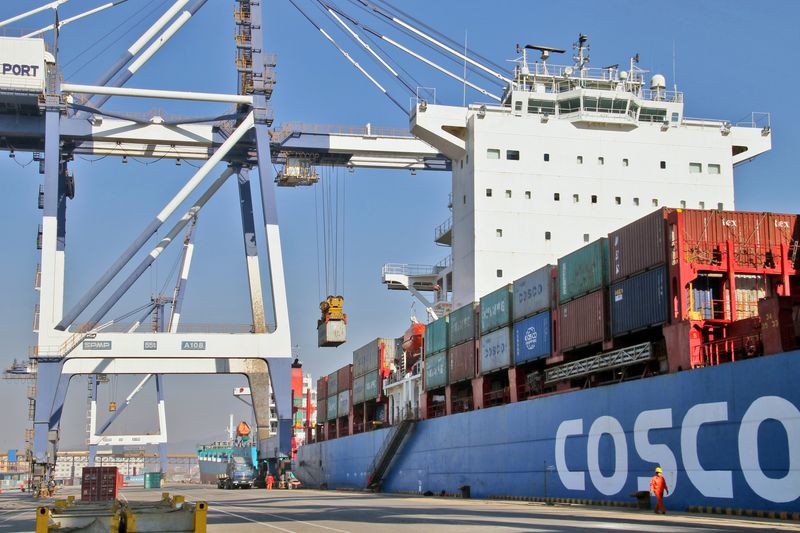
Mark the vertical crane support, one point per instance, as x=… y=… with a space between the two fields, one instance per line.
x=263 y=356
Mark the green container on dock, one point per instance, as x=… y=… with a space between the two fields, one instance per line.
x=435 y=371
x=462 y=324
x=496 y=309
x=583 y=271
x=152 y=480
x=436 y=335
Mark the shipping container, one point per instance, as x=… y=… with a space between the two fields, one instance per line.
x=532 y=339
x=152 y=480
x=99 y=483
x=639 y=246
x=358 y=390
x=495 y=350
x=496 y=309
x=583 y=271
x=750 y=288
x=345 y=380
x=435 y=371
x=322 y=387
x=532 y=293
x=461 y=362
x=344 y=404
x=333 y=384
x=582 y=321
x=639 y=302
x=331 y=333
x=462 y=324
x=436 y=335
x=375 y=355
x=372 y=385
x=333 y=407
x=322 y=410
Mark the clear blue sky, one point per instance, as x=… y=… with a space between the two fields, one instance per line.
x=732 y=57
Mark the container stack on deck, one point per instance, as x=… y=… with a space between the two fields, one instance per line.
x=674 y=290
x=371 y=364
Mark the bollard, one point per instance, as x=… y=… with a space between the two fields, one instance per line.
x=42 y=519
x=200 y=512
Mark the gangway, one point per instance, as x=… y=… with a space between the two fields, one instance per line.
x=391 y=446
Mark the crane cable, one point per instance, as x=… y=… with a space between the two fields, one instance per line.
x=331 y=193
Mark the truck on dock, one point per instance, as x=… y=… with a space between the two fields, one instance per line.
x=239 y=474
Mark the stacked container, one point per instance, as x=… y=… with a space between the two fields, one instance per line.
x=582 y=303
x=437 y=335
x=531 y=314
x=345 y=383
x=463 y=348
x=368 y=363
x=639 y=293
x=333 y=396
x=495 y=351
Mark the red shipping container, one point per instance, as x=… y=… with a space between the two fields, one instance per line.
x=639 y=246
x=461 y=360
x=322 y=387
x=582 y=321
x=345 y=378
x=100 y=483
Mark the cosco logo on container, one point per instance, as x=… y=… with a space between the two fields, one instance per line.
x=530 y=292
x=491 y=352
x=495 y=309
x=19 y=70
x=776 y=487
x=530 y=338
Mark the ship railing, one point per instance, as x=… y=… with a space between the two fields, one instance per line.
x=405 y=269
x=284 y=131
x=757 y=256
x=443 y=228
x=445 y=263
x=727 y=350
x=615 y=359
x=462 y=405
x=497 y=397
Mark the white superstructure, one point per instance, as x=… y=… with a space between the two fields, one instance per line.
x=570 y=154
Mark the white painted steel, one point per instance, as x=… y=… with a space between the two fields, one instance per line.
x=24 y=60
x=74 y=18
x=155 y=93
x=156 y=45
x=156 y=27
x=51 y=5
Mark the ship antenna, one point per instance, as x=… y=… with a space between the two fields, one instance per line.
x=581 y=56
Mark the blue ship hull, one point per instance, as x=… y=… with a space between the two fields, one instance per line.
x=726 y=436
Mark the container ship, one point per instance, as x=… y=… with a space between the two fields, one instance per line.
x=213 y=458
x=604 y=311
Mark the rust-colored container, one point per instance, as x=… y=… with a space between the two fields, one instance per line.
x=742 y=227
x=99 y=483
x=322 y=387
x=639 y=246
x=345 y=378
x=582 y=321
x=461 y=360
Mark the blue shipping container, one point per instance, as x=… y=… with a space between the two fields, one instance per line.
x=639 y=302
x=532 y=292
x=495 y=350
x=532 y=338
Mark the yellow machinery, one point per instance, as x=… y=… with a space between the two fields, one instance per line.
x=332 y=327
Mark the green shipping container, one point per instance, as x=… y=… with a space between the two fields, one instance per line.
x=358 y=390
x=333 y=407
x=583 y=271
x=496 y=309
x=436 y=335
x=462 y=324
x=436 y=371
x=152 y=480
x=372 y=385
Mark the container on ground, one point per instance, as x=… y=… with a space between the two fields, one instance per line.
x=99 y=483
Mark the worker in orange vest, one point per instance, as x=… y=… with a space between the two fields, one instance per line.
x=658 y=487
x=270 y=481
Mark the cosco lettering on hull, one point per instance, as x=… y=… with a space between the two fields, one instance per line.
x=710 y=483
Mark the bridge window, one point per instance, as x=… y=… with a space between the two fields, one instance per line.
x=695 y=168
x=492 y=153
x=570 y=105
x=512 y=155
x=541 y=106
x=518 y=106
x=713 y=168
x=650 y=114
